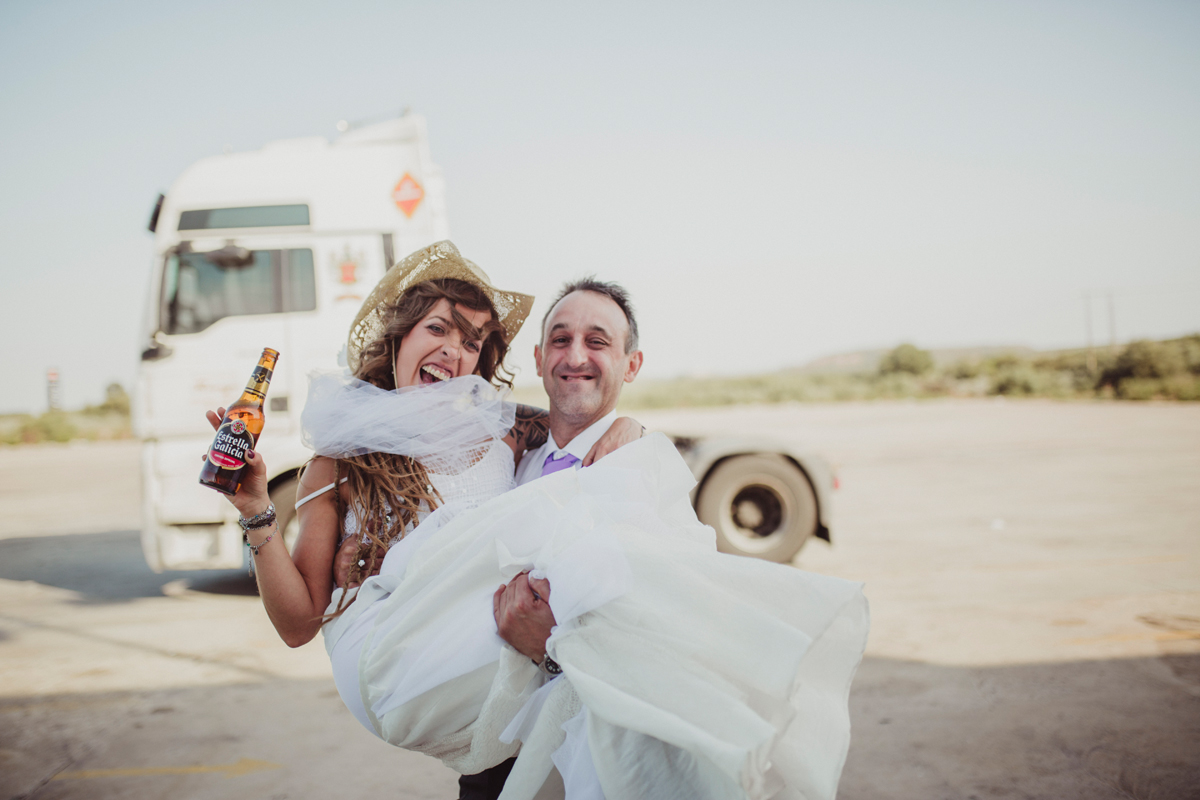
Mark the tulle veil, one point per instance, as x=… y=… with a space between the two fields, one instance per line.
x=445 y=426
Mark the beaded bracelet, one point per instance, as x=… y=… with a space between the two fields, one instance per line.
x=254 y=548
x=258 y=520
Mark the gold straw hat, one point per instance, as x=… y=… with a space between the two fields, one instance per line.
x=439 y=260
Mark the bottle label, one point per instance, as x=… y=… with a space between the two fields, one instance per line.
x=259 y=382
x=229 y=448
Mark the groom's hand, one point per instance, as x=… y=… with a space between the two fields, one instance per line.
x=523 y=618
x=343 y=561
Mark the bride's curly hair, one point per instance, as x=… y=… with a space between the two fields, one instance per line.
x=387 y=491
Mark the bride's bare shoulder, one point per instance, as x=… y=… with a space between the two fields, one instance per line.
x=317 y=474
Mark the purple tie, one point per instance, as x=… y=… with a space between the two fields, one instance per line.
x=553 y=464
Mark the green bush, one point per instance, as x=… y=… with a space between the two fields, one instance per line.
x=906 y=358
x=1150 y=360
x=1071 y=369
x=1139 y=370
x=1140 y=389
x=1024 y=380
x=1014 y=381
x=53 y=426
x=897 y=384
x=964 y=371
x=1190 y=348
x=116 y=401
x=1176 y=387
x=11 y=427
x=1182 y=387
x=1001 y=363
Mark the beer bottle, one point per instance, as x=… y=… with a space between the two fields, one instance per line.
x=239 y=430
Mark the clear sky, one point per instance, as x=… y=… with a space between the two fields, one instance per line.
x=773 y=181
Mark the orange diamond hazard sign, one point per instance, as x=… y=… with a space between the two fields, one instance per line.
x=408 y=194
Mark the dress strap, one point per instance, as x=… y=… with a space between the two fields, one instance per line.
x=319 y=492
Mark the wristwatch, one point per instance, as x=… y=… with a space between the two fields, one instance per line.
x=548 y=665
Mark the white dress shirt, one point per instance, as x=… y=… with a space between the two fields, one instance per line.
x=530 y=467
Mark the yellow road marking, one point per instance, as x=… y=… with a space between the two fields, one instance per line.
x=1083 y=562
x=240 y=767
x=1166 y=636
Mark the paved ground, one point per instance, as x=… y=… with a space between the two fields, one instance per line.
x=1033 y=569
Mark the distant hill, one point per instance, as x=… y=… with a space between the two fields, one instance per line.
x=868 y=360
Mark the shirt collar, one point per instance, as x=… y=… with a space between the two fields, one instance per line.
x=582 y=443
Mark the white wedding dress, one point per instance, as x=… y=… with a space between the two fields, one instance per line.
x=490 y=477
x=686 y=673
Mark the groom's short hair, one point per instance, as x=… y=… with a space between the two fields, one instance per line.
x=613 y=291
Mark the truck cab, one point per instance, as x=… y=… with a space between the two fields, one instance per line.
x=272 y=248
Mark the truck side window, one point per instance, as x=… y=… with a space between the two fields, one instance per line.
x=301 y=281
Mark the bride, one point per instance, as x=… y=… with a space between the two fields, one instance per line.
x=442 y=323
x=685 y=673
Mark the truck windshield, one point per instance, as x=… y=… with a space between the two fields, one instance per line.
x=197 y=292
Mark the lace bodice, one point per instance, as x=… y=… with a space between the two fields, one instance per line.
x=490 y=476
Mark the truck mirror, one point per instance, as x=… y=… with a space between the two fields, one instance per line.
x=230 y=257
x=155 y=350
x=153 y=226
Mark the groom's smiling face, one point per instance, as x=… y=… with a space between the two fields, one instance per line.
x=582 y=359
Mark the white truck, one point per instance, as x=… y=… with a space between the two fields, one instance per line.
x=278 y=248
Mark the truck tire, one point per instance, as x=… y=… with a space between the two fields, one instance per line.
x=760 y=505
x=283 y=495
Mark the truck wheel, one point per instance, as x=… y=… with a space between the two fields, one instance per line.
x=760 y=505
x=283 y=495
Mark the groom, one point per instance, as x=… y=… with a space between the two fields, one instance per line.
x=589 y=348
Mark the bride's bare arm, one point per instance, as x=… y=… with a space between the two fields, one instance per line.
x=295 y=588
x=532 y=429
x=623 y=431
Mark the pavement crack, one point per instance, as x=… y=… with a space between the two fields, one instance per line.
x=41 y=784
x=257 y=674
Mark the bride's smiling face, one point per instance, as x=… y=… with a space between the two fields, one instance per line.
x=436 y=349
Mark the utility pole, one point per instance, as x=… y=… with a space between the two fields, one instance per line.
x=1087 y=321
x=1112 y=324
